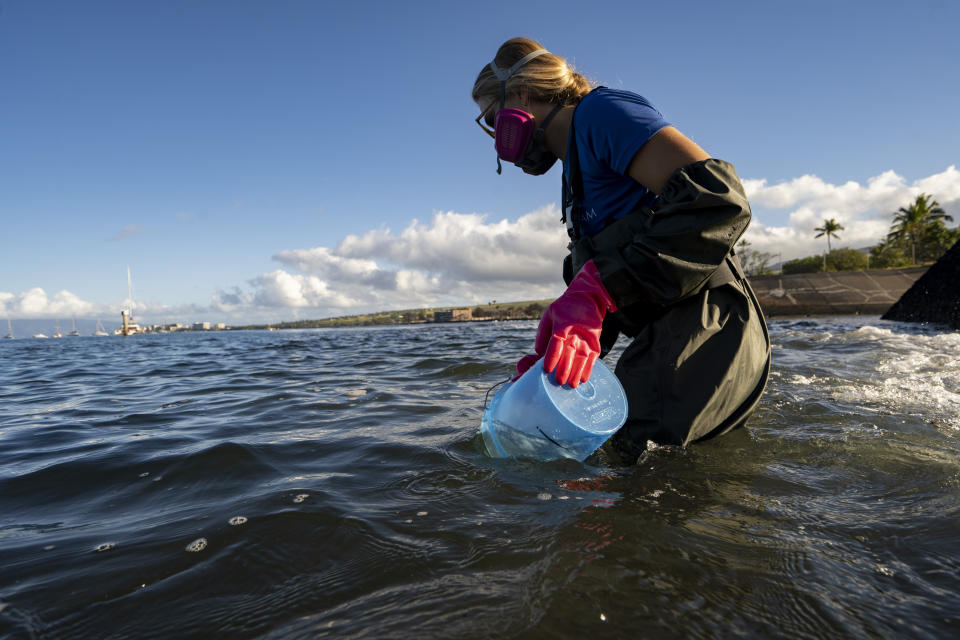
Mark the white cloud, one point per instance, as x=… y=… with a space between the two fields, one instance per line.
x=128 y=231
x=455 y=259
x=459 y=258
x=281 y=289
x=865 y=211
x=35 y=303
x=464 y=258
x=454 y=246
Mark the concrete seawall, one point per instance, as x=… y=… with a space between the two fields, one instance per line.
x=844 y=292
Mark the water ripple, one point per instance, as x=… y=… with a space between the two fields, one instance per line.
x=338 y=486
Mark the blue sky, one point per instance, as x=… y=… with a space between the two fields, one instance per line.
x=275 y=160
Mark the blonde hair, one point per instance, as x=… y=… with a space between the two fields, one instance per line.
x=548 y=78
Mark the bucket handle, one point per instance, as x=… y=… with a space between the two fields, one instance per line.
x=487 y=395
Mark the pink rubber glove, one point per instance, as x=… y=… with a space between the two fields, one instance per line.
x=568 y=337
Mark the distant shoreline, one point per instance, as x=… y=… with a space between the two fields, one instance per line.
x=500 y=311
x=862 y=292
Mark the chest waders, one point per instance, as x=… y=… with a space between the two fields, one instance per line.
x=700 y=355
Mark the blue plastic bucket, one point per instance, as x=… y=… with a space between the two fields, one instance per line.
x=535 y=417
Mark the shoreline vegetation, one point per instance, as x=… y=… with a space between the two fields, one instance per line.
x=918 y=236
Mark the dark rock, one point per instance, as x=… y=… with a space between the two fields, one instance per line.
x=935 y=297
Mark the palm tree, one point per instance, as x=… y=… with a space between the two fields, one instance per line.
x=910 y=222
x=829 y=228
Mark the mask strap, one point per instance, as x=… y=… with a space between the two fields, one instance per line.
x=546 y=121
x=504 y=74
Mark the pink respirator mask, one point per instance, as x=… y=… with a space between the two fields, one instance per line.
x=520 y=141
x=514 y=132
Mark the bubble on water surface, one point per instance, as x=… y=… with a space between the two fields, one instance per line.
x=544 y=496
x=300 y=497
x=105 y=546
x=237 y=520
x=197 y=545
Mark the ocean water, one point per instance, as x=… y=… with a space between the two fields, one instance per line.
x=332 y=483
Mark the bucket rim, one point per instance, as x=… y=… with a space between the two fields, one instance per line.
x=487 y=416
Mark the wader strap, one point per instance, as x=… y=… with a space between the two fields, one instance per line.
x=572 y=206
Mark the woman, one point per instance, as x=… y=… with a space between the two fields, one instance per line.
x=652 y=220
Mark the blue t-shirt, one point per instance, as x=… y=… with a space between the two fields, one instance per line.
x=611 y=125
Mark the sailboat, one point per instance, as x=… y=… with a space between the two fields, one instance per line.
x=9 y=335
x=56 y=330
x=74 y=332
x=40 y=335
x=100 y=331
x=130 y=327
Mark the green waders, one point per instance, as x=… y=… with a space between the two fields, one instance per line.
x=700 y=354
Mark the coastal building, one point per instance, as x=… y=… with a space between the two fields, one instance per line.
x=201 y=326
x=453 y=315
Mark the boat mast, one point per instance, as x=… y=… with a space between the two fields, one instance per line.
x=127 y=314
x=130 y=293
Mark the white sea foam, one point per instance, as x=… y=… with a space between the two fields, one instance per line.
x=905 y=372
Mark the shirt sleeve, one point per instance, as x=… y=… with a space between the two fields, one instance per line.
x=617 y=124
